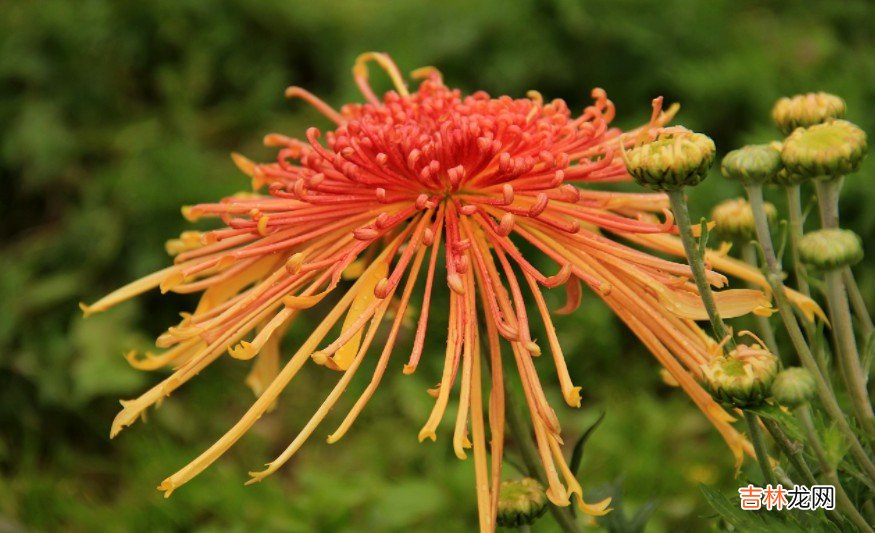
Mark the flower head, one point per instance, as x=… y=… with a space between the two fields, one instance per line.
x=825 y=151
x=438 y=188
x=674 y=159
x=743 y=378
x=520 y=502
x=752 y=164
x=805 y=110
x=794 y=387
x=733 y=219
x=831 y=248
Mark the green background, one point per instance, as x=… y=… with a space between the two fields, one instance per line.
x=113 y=114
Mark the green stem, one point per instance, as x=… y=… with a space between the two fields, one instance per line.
x=697 y=264
x=840 y=317
x=824 y=391
x=858 y=302
x=852 y=370
x=794 y=207
x=828 y=202
x=519 y=428
x=793 y=450
x=756 y=437
x=803 y=413
x=782 y=476
x=749 y=254
x=797 y=223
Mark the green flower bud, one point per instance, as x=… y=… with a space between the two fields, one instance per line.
x=520 y=502
x=793 y=387
x=805 y=110
x=752 y=164
x=671 y=162
x=829 y=249
x=743 y=378
x=826 y=150
x=734 y=222
x=786 y=178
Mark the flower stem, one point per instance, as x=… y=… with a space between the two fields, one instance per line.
x=791 y=449
x=794 y=207
x=824 y=391
x=844 y=503
x=749 y=254
x=828 y=202
x=756 y=437
x=697 y=264
x=849 y=357
x=858 y=302
x=840 y=317
x=522 y=435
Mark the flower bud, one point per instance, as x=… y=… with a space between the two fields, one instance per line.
x=829 y=249
x=825 y=150
x=734 y=220
x=520 y=502
x=743 y=378
x=672 y=161
x=793 y=387
x=785 y=178
x=752 y=164
x=805 y=110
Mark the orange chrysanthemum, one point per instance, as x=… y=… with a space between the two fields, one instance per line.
x=427 y=182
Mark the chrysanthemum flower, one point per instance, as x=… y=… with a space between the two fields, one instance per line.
x=443 y=186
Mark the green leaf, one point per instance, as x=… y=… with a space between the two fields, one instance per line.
x=764 y=521
x=835 y=446
x=577 y=452
x=786 y=420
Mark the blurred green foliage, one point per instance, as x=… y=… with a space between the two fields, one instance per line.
x=114 y=114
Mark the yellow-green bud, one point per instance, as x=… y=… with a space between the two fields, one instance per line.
x=671 y=162
x=756 y=163
x=825 y=150
x=786 y=178
x=734 y=222
x=520 y=502
x=804 y=110
x=793 y=387
x=743 y=378
x=829 y=249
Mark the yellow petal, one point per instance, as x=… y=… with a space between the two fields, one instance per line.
x=128 y=291
x=303 y=302
x=730 y=303
x=599 y=508
x=365 y=297
x=354 y=270
x=729 y=265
